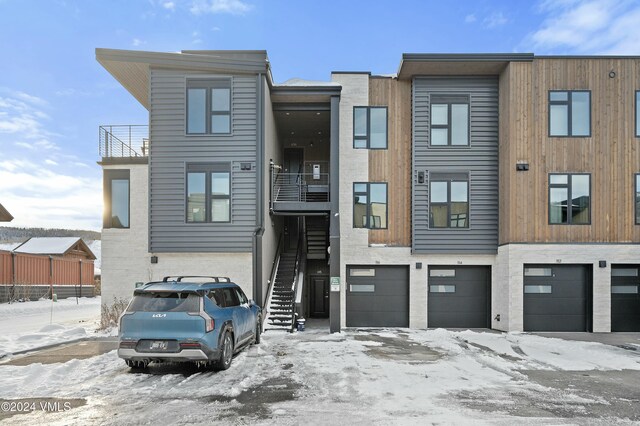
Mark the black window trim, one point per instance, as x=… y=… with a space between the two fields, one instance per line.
x=109 y=176
x=207 y=169
x=448 y=178
x=569 y=103
x=568 y=185
x=208 y=84
x=637 y=112
x=368 y=213
x=450 y=99
x=367 y=137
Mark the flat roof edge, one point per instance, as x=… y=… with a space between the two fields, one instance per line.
x=467 y=57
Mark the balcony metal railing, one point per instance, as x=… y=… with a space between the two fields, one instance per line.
x=299 y=187
x=124 y=141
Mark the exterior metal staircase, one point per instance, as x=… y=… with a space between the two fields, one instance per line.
x=280 y=304
x=316 y=237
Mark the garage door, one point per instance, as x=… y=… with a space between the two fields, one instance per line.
x=459 y=297
x=557 y=298
x=625 y=298
x=377 y=296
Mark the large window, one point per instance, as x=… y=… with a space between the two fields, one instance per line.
x=370 y=127
x=569 y=113
x=208 y=192
x=449 y=120
x=570 y=199
x=637 y=191
x=116 y=199
x=449 y=200
x=637 y=114
x=208 y=107
x=370 y=205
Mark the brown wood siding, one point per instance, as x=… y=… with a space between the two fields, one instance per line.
x=610 y=155
x=393 y=165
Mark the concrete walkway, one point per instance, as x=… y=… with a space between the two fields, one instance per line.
x=65 y=352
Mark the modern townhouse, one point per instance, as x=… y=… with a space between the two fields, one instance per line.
x=466 y=191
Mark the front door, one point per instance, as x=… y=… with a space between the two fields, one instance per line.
x=319 y=297
x=293 y=163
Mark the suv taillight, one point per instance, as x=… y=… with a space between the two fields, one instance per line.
x=209 y=323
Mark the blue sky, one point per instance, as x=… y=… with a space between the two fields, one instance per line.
x=54 y=95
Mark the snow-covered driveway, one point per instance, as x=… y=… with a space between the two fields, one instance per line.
x=354 y=377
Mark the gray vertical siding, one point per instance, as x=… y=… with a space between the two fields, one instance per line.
x=172 y=149
x=480 y=160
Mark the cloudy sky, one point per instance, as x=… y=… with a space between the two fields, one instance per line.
x=54 y=95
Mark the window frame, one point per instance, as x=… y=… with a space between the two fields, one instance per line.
x=569 y=103
x=569 y=186
x=637 y=113
x=368 y=211
x=109 y=176
x=208 y=85
x=449 y=178
x=208 y=169
x=367 y=137
x=449 y=100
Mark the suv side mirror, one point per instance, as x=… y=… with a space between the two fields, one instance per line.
x=252 y=302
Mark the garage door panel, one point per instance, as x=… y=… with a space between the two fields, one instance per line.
x=463 y=301
x=385 y=303
x=625 y=306
x=559 y=300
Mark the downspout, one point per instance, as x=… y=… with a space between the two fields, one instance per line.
x=257 y=235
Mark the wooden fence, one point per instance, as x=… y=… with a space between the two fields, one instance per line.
x=20 y=268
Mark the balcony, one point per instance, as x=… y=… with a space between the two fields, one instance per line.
x=124 y=141
x=299 y=193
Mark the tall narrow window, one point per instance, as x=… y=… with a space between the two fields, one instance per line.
x=570 y=199
x=209 y=107
x=637 y=199
x=449 y=120
x=569 y=113
x=370 y=205
x=208 y=193
x=638 y=114
x=449 y=200
x=116 y=202
x=370 y=127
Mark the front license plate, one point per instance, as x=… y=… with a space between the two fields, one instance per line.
x=159 y=345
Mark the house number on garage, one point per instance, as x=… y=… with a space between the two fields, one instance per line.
x=335 y=283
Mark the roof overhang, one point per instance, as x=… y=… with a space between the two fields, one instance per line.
x=416 y=64
x=131 y=68
x=5 y=216
x=304 y=94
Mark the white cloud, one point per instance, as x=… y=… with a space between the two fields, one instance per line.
x=233 y=7
x=169 y=5
x=137 y=42
x=50 y=162
x=470 y=18
x=21 y=115
x=496 y=19
x=587 y=27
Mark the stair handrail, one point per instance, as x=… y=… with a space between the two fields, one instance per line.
x=274 y=271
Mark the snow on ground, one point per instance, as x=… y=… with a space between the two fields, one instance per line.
x=353 y=377
x=33 y=324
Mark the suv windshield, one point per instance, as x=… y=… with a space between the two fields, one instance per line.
x=165 y=302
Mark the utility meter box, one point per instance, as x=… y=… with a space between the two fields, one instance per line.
x=316 y=171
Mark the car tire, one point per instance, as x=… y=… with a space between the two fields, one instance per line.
x=258 y=330
x=226 y=352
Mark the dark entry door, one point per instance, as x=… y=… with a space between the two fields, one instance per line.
x=625 y=298
x=293 y=163
x=557 y=298
x=459 y=297
x=319 y=297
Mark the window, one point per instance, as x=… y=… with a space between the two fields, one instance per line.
x=449 y=200
x=116 y=199
x=370 y=205
x=208 y=107
x=442 y=289
x=569 y=113
x=208 y=192
x=370 y=127
x=570 y=199
x=637 y=199
x=449 y=120
x=637 y=114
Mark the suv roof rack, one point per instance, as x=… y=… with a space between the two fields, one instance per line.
x=180 y=278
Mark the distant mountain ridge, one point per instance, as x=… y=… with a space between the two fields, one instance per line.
x=12 y=234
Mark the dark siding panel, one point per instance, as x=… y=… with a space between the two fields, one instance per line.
x=171 y=149
x=480 y=160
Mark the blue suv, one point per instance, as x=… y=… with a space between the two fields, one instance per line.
x=189 y=318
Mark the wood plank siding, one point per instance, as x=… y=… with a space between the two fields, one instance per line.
x=611 y=154
x=393 y=165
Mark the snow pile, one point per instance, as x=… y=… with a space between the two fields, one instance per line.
x=34 y=324
x=96 y=247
